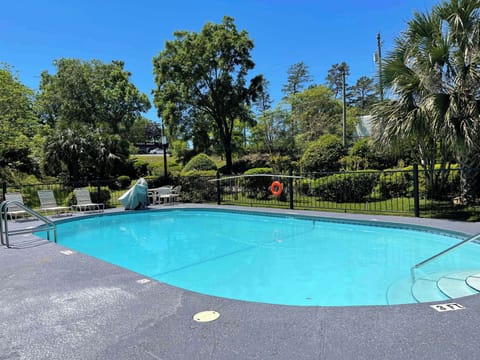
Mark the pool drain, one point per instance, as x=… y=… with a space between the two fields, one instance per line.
x=206 y=316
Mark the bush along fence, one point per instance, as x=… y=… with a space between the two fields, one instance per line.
x=412 y=191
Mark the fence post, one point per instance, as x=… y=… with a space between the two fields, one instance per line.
x=290 y=187
x=416 y=199
x=219 y=197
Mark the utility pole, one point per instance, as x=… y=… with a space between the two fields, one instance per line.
x=344 y=118
x=379 y=53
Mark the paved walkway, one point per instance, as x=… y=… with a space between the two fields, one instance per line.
x=59 y=306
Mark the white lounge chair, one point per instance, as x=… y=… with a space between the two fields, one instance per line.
x=84 y=202
x=49 y=204
x=13 y=210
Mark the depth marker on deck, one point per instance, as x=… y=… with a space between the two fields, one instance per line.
x=143 y=281
x=447 y=307
x=67 y=252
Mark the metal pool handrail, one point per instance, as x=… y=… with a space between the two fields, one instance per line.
x=441 y=253
x=4 y=233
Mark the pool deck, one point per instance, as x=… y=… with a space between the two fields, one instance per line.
x=56 y=305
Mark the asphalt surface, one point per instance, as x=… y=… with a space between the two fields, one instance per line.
x=57 y=305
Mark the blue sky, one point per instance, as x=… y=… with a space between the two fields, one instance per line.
x=33 y=33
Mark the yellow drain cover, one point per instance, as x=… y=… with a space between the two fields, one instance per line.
x=206 y=316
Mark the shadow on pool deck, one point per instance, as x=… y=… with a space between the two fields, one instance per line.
x=60 y=306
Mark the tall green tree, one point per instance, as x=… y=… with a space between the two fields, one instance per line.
x=272 y=131
x=318 y=113
x=91 y=93
x=91 y=107
x=298 y=77
x=80 y=152
x=363 y=95
x=145 y=131
x=207 y=72
x=335 y=77
x=262 y=132
x=19 y=124
x=434 y=75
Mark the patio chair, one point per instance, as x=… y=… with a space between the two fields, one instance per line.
x=159 y=195
x=170 y=195
x=13 y=210
x=175 y=194
x=84 y=202
x=48 y=203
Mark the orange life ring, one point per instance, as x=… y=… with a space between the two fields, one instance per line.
x=276 y=188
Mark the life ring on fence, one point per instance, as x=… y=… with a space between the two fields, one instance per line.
x=276 y=188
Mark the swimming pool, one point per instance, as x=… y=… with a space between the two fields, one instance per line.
x=278 y=259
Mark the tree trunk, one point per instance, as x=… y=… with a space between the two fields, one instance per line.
x=228 y=157
x=225 y=126
x=469 y=176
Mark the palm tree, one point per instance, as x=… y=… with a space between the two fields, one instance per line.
x=82 y=152
x=65 y=153
x=434 y=77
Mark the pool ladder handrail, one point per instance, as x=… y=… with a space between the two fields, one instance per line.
x=441 y=253
x=47 y=226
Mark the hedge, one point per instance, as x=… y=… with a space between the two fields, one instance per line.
x=347 y=187
x=257 y=186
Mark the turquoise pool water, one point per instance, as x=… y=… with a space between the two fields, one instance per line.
x=263 y=258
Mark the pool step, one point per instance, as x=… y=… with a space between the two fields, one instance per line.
x=444 y=286
x=400 y=293
x=438 y=286
x=425 y=290
x=474 y=281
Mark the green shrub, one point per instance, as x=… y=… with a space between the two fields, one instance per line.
x=282 y=164
x=155 y=181
x=323 y=155
x=102 y=197
x=196 y=187
x=444 y=185
x=307 y=187
x=120 y=183
x=141 y=167
x=257 y=186
x=70 y=199
x=207 y=173
x=366 y=155
x=124 y=182
x=346 y=187
x=200 y=162
x=249 y=161
x=393 y=184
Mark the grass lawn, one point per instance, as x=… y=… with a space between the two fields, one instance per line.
x=155 y=163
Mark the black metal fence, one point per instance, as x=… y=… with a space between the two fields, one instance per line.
x=411 y=192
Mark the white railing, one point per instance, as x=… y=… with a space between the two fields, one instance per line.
x=441 y=253
x=47 y=226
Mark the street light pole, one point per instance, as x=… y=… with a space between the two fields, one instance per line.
x=164 y=147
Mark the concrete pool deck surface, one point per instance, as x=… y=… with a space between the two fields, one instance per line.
x=56 y=305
